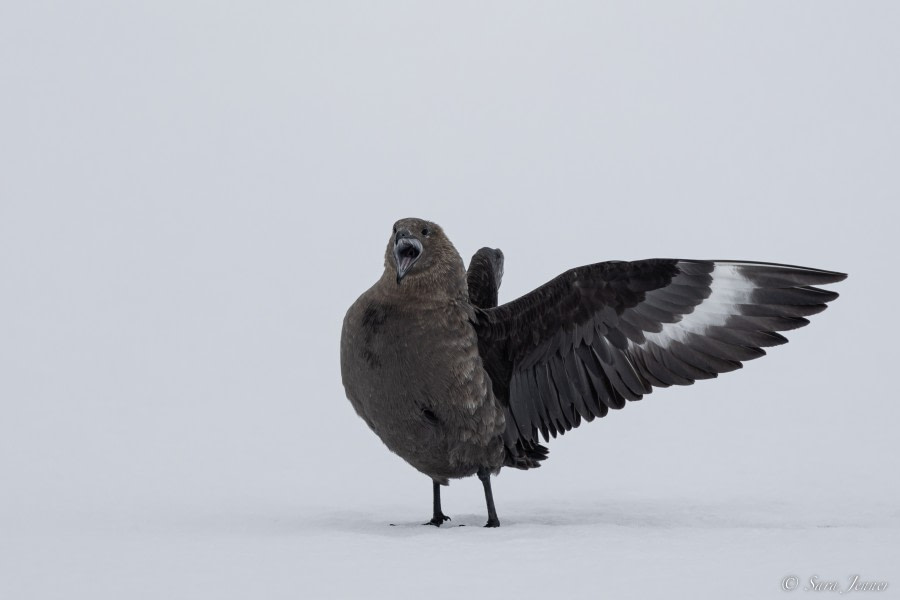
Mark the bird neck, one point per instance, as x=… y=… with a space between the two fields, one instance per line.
x=436 y=284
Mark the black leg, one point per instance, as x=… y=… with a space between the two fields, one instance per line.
x=438 y=519
x=485 y=476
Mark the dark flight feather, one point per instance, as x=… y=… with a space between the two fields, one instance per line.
x=602 y=334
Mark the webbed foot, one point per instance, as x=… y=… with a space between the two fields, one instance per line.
x=438 y=520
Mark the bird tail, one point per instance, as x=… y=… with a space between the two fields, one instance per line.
x=525 y=455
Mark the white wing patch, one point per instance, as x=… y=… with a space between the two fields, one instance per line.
x=728 y=289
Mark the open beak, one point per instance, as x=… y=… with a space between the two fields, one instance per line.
x=407 y=251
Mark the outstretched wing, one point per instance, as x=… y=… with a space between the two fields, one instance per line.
x=602 y=334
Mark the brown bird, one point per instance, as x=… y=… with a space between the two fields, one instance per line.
x=457 y=385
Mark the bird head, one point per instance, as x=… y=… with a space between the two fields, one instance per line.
x=418 y=250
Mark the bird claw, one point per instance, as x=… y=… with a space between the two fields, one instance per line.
x=493 y=523
x=438 y=520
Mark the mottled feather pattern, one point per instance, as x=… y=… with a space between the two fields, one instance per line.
x=418 y=379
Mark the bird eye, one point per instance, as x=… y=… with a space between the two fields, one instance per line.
x=425 y=231
x=395 y=229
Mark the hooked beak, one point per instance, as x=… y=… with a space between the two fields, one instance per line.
x=407 y=251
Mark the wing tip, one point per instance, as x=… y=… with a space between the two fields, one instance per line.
x=826 y=277
x=817 y=276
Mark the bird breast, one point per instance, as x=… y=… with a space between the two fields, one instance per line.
x=412 y=370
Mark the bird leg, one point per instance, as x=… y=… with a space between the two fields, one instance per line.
x=485 y=476
x=439 y=517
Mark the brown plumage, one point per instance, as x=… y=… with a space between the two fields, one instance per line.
x=458 y=386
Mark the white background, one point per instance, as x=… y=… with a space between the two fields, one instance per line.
x=193 y=193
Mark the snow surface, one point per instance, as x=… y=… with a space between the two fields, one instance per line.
x=585 y=548
x=193 y=193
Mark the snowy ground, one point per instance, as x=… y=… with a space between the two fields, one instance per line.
x=593 y=547
x=211 y=505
